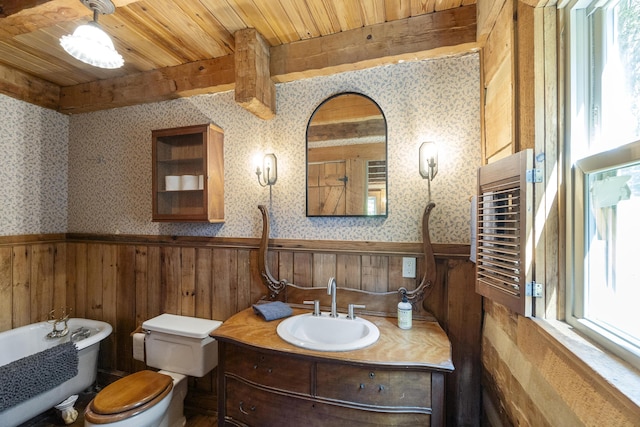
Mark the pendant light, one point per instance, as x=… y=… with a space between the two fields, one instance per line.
x=89 y=43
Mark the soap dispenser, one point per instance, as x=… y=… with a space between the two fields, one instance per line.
x=405 y=314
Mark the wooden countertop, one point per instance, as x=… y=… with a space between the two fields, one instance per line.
x=425 y=345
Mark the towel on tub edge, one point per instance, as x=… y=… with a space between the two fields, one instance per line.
x=25 y=378
x=272 y=310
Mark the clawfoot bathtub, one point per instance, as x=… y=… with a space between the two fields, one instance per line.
x=32 y=339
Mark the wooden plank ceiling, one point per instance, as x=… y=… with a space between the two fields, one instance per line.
x=181 y=48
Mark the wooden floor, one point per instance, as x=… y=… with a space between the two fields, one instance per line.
x=201 y=421
x=51 y=418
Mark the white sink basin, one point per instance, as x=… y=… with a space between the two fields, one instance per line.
x=324 y=333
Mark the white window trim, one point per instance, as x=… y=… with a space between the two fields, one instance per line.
x=618 y=157
x=577 y=90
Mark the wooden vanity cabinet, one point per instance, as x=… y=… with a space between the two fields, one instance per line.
x=259 y=387
x=265 y=381
x=188 y=174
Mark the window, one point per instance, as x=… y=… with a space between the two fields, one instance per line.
x=372 y=203
x=604 y=185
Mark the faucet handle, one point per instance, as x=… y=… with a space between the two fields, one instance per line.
x=316 y=306
x=65 y=313
x=351 y=307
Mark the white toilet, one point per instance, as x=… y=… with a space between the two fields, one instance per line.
x=177 y=345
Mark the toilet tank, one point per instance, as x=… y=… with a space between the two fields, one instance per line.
x=181 y=344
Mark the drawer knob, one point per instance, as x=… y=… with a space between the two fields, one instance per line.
x=372 y=374
x=380 y=387
x=241 y=407
x=361 y=386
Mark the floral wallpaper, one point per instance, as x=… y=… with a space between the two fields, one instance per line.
x=33 y=169
x=109 y=158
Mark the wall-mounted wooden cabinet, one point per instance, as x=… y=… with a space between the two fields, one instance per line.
x=188 y=174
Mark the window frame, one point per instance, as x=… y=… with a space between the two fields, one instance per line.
x=578 y=127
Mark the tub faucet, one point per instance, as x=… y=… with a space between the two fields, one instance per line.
x=332 y=290
x=59 y=331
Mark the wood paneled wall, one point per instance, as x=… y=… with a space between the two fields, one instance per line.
x=531 y=377
x=125 y=280
x=509 y=83
x=533 y=380
x=32 y=278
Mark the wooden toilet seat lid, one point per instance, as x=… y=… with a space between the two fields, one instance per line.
x=131 y=392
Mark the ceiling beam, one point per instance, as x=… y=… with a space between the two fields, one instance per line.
x=25 y=16
x=10 y=7
x=435 y=34
x=26 y=87
x=18 y=18
x=426 y=36
x=254 y=89
x=195 y=78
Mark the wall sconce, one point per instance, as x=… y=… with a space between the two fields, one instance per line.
x=89 y=43
x=428 y=158
x=270 y=168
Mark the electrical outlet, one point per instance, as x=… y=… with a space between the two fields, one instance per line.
x=409 y=267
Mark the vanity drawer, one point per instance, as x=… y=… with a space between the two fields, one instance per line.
x=289 y=374
x=253 y=406
x=378 y=387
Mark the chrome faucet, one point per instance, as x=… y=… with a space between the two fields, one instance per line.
x=332 y=290
x=59 y=332
x=351 y=311
x=316 y=307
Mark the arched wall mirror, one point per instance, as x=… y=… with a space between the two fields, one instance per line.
x=347 y=158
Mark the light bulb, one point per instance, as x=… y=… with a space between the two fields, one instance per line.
x=91 y=45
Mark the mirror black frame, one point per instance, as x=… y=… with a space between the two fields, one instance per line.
x=386 y=159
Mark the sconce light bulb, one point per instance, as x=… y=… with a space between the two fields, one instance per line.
x=269 y=165
x=428 y=158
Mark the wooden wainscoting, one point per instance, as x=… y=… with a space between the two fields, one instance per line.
x=32 y=278
x=125 y=280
